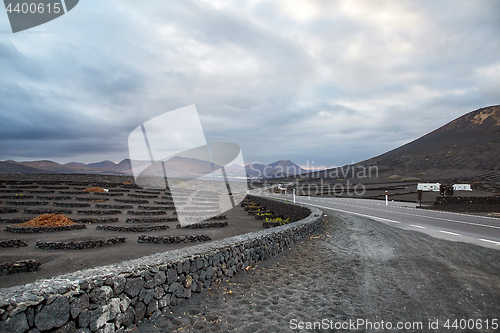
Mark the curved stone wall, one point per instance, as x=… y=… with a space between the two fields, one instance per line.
x=115 y=297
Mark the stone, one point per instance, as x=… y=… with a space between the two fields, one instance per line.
x=84 y=318
x=114 y=308
x=70 y=327
x=129 y=317
x=193 y=267
x=175 y=288
x=124 y=302
x=79 y=303
x=178 y=267
x=133 y=286
x=188 y=282
x=119 y=320
x=159 y=292
x=172 y=275
x=16 y=324
x=30 y=316
x=53 y=315
x=210 y=272
x=140 y=311
x=186 y=266
x=157 y=279
x=17 y=310
x=199 y=263
x=152 y=307
x=164 y=301
x=101 y=295
x=146 y=295
x=99 y=317
x=186 y=293
x=109 y=328
x=119 y=284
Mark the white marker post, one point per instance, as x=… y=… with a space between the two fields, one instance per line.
x=386 y=198
x=293 y=195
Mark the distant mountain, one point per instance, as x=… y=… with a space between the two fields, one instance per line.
x=188 y=167
x=12 y=167
x=76 y=164
x=274 y=170
x=107 y=165
x=255 y=169
x=53 y=166
x=177 y=167
x=124 y=167
x=50 y=167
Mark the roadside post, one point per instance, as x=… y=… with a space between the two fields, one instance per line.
x=293 y=195
x=386 y=198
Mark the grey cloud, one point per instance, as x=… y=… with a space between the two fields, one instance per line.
x=334 y=88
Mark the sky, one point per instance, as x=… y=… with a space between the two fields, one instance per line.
x=322 y=83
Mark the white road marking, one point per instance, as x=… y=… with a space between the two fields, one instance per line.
x=423 y=216
x=450 y=233
x=489 y=241
x=416 y=215
x=354 y=213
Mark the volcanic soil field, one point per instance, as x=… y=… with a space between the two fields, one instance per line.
x=107 y=225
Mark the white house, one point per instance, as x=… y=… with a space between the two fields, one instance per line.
x=429 y=187
x=461 y=187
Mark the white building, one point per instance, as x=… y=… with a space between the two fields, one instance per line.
x=429 y=187
x=461 y=187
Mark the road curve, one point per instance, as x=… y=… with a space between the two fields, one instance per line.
x=481 y=230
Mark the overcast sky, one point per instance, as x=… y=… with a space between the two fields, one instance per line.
x=326 y=81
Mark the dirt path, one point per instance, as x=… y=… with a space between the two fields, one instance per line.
x=352 y=270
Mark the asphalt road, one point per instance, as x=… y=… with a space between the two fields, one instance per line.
x=481 y=230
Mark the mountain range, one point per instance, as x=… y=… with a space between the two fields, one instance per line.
x=177 y=167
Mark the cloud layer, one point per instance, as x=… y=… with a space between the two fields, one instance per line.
x=324 y=81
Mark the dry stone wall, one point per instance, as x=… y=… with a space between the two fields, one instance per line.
x=116 y=297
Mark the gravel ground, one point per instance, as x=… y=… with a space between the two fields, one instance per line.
x=352 y=269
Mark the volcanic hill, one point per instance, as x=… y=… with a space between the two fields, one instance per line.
x=466 y=149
